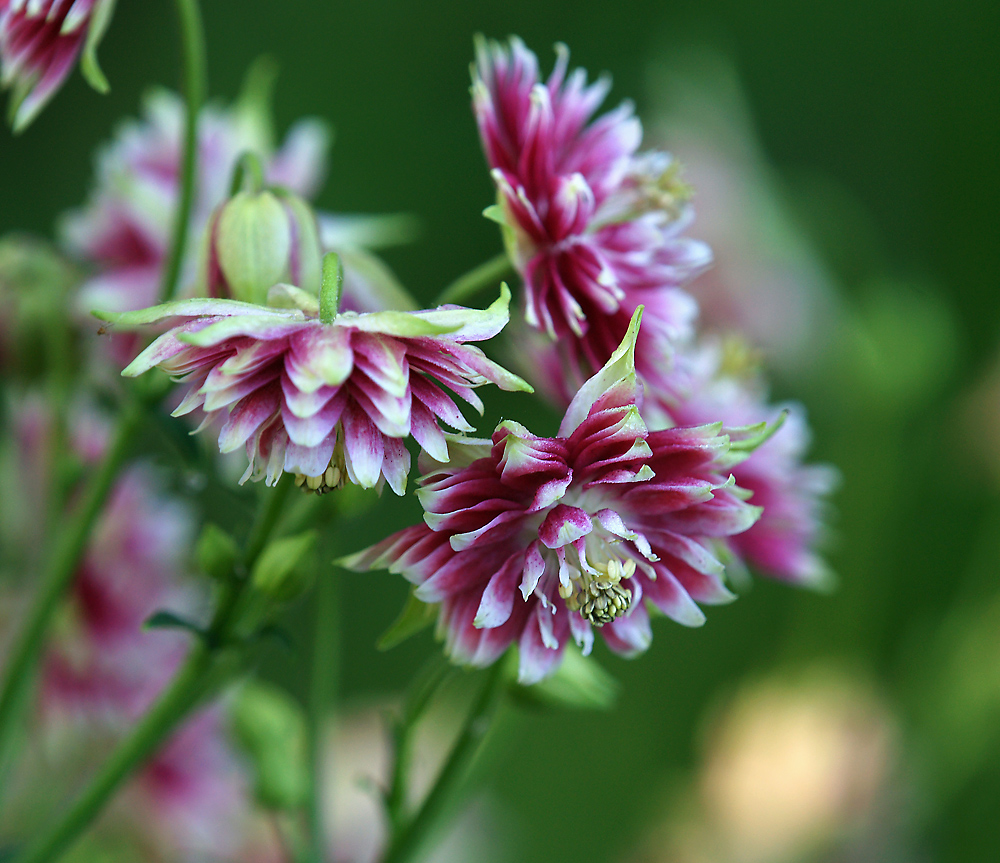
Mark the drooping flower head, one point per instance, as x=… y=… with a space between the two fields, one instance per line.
x=40 y=41
x=594 y=228
x=327 y=397
x=535 y=540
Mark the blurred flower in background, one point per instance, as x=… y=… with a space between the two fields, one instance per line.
x=794 y=769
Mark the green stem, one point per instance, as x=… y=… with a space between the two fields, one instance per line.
x=62 y=565
x=484 y=276
x=421 y=692
x=177 y=701
x=195 y=87
x=406 y=842
x=322 y=699
x=211 y=664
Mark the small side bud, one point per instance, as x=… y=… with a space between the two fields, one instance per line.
x=216 y=552
x=270 y=727
x=279 y=572
x=260 y=238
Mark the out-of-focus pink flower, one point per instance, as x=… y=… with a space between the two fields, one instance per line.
x=40 y=41
x=767 y=281
x=105 y=663
x=782 y=543
x=327 y=401
x=594 y=228
x=585 y=526
x=124 y=230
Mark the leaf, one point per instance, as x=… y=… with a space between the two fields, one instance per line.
x=169 y=620
x=414 y=617
x=99 y=22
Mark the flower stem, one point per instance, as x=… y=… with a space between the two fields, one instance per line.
x=59 y=572
x=195 y=86
x=212 y=663
x=322 y=698
x=406 y=841
x=421 y=692
x=484 y=276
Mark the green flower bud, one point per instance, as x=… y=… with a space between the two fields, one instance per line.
x=216 y=552
x=271 y=729
x=282 y=573
x=260 y=238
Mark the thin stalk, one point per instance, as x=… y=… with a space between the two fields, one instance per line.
x=58 y=573
x=322 y=700
x=406 y=842
x=421 y=692
x=195 y=76
x=176 y=702
x=212 y=663
x=486 y=275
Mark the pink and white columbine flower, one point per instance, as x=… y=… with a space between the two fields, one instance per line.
x=782 y=544
x=40 y=41
x=327 y=398
x=594 y=228
x=536 y=540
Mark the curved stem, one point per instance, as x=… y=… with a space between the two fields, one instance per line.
x=406 y=842
x=484 y=276
x=59 y=572
x=195 y=86
x=421 y=692
x=211 y=664
x=322 y=698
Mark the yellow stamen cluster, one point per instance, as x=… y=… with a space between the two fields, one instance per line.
x=600 y=598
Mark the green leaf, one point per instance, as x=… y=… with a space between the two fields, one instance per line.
x=169 y=620
x=579 y=684
x=414 y=617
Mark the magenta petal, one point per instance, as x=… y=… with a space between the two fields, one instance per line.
x=248 y=416
x=631 y=634
x=536 y=661
x=564 y=525
x=363 y=447
x=309 y=460
x=498 y=597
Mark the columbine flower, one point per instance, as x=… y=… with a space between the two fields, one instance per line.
x=536 y=540
x=327 y=397
x=724 y=385
x=40 y=41
x=594 y=228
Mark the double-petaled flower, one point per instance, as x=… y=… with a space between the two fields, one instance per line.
x=329 y=397
x=594 y=227
x=40 y=41
x=537 y=540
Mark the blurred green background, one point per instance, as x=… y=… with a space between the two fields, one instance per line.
x=896 y=108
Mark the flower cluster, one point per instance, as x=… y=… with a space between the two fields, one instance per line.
x=685 y=378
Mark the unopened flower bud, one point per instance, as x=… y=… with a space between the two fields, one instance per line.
x=271 y=729
x=257 y=239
